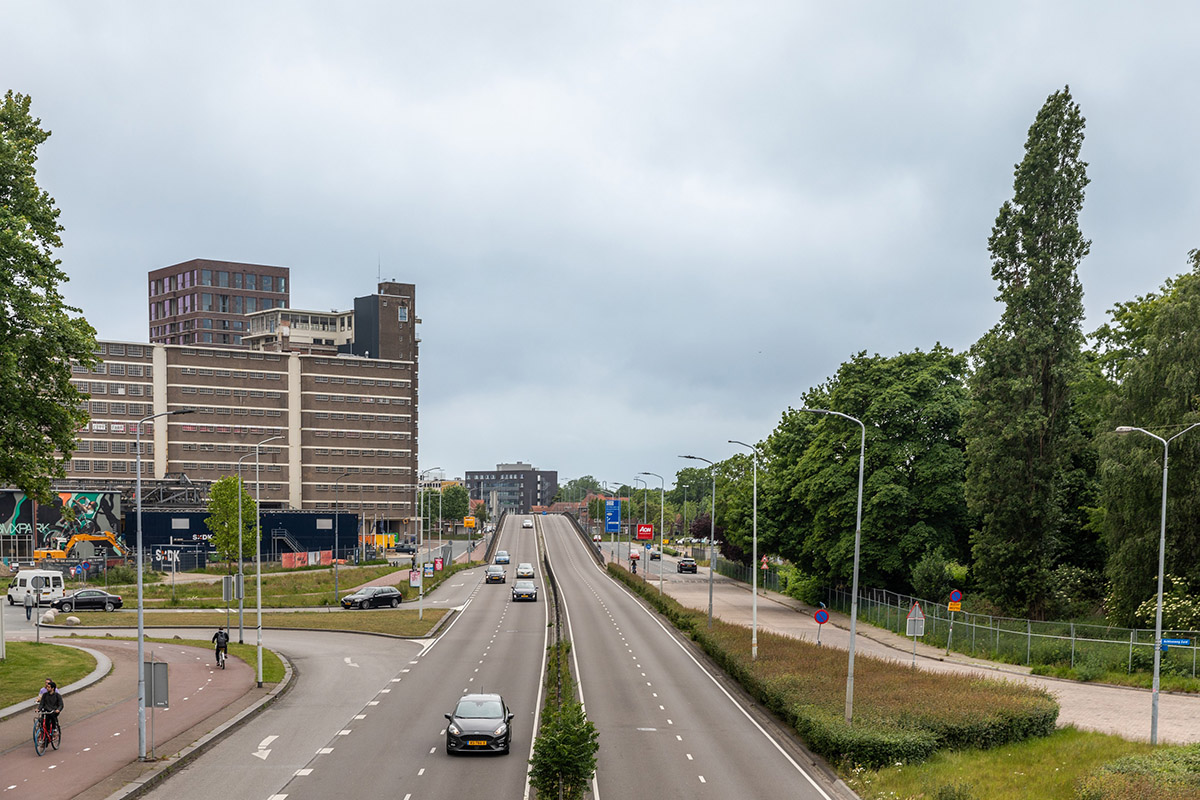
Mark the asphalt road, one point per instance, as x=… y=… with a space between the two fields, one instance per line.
x=668 y=726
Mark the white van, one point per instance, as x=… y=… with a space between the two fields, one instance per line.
x=51 y=582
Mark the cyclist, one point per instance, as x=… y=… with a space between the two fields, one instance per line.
x=221 y=638
x=50 y=703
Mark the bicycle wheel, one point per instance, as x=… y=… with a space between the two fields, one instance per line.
x=39 y=738
x=56 y=737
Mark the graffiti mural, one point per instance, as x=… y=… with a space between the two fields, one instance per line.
x=90 y=512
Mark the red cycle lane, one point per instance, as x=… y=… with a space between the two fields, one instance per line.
x=100 y=725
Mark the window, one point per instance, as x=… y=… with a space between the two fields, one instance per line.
x=82 y=465
x=206 y=277
x=267 y=285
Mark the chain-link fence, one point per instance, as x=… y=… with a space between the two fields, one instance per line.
x=1024 y=641
x=768 y=579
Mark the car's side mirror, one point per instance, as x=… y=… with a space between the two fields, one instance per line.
x=449 y=716
x=510 y=716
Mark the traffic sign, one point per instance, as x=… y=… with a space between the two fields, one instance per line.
x=647 y=545
x=956 y=596
x=916 y=620
x=822 y=616
x=1178 y=642
x=612 y=516
x=954 y=606
x=645 y=531
x=765 y=565
x=468 y=522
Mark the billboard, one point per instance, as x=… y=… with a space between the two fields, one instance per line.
x=72 y=513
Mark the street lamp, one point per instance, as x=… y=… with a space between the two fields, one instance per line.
x=335 y=534
x=241 y=582
x=1162 y=545
x=612 y=539
x=712 y=532
x=636 y=481
x=421 y=503
x=258 y=549
x=141 y=625
x=753 y=558
x=862 y=450
x=662 y=495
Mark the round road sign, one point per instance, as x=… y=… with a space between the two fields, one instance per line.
x=822 y=616
x=956 y=596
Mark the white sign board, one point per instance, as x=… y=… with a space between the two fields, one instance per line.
x=916 y=620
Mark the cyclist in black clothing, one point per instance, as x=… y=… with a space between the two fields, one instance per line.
x=221 y=638
x=50 y=703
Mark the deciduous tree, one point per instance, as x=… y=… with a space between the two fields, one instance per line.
x=222 y=519
x=40 y=335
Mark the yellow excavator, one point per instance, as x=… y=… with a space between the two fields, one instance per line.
x=94 y=542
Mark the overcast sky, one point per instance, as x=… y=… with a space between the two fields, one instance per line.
x=637 y=229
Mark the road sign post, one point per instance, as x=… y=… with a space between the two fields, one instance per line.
x=955 y=604
x=822 y=616
x=916 y=627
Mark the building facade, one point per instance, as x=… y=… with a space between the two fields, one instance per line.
x=516 y=488
x=342 y=429
x=204 y=302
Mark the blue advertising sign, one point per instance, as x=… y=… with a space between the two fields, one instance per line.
x=612 y=516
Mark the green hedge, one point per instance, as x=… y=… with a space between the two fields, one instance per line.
x=1166 y=774
x=900 y=714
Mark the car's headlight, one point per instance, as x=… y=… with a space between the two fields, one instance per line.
x=454 y=729
x=500 y=730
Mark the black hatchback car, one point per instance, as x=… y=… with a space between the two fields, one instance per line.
x=494 y=574
x=373 y=597
x=88 y=599
x=480 y=723
x=686 y=565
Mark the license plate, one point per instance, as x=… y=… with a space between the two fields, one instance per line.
x=477 y=743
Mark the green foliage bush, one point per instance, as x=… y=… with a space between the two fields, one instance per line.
x=931 y=575
x=564 y=753
x=805 y=588
x=803 y=685
x=1166 y=774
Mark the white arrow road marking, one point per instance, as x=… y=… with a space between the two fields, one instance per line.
x=262 y=754
x=263 y=746
x=349 y=663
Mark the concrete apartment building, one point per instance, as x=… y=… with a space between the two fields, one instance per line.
x=344 y=420
x=512 y=487
x=205 y=302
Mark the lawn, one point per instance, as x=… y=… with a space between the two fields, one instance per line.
x=285 y=590
x=27 y=665
x=1048 y=768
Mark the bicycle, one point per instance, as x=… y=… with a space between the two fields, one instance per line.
x=221 y=657
x=45 y=733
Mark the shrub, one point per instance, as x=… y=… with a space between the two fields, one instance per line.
x=931 y=575
x=796 y=584
x=1165 y=774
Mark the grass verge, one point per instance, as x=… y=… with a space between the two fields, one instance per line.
x=1049 y=768
x=27 y=665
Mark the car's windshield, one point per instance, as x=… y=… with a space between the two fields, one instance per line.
x=479 y=709
x=524 y=586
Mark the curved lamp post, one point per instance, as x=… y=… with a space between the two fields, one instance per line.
x=241 y=559
x=712 y=532
x=662 y=499
x=141 y=625
x=258 y=548
x=753 y=558
x=1162 y=546
x=335 y=534
x=421 y=490
x=862 y=450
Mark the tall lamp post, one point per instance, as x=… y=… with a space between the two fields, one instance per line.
x=241 y=579
x=335 y=534
x=632 y=530
x=141 y=625
x=421 y=497
x=258 y=548
x=1162 y=546
x=662 y=500
x=612 y=538
x=712 y=532
x=862 y=450
x=753 y=558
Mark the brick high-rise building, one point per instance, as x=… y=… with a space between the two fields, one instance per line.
x=204 y=302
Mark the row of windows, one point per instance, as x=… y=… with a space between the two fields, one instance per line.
x=231 y=354
x=381 y=488
x=226 y=373
x=132 y=409
x=86 y=465
x=368 y=363
x=354 y=398
x=322 y=434
x=197 y=466
x=222 y=392
x=338 y=415
x=235 y=448
x=107 y=446
x=380 y=506
x=114 y=349
x=240 y=412
x=358 y=381
x=100 y=387
x=106 y=368
x=243 y=280
x=365 y=470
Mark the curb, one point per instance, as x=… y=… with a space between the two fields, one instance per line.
x=167 y=766
x=103 y=667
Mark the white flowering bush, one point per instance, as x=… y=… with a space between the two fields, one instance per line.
x=1181 y=610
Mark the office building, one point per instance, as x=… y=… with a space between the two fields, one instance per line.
x=204 y=302
x=516 y=488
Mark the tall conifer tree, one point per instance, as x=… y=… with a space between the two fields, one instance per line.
x=1018 y=428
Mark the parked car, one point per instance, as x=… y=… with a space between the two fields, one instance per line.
x=373 y=597
x=406 y=547
x=480 y=723
x=524 y=570
x=88 y=599
x=501 y=557
x=494 y=574
x=527 y=523
x=655 y=555
x=524 y=590
x=686 y=565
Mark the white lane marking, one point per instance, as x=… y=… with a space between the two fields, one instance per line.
x=689 y=755
x=373 y=703
x=420 y=772
x=350 y=663
x=360 y=716
x=324 y=751
x=647 y=729
x=261 y=754
x=395 y=680
x=265 y=743
x=345 y=732
x=385 y=691
x=300 y=773
x=277 y=797
x=432 y=750
x=702 y=779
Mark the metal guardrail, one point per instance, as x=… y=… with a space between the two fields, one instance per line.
x=1023 y=641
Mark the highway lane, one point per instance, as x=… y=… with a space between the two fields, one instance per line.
x=393 y=741
x=666 y=725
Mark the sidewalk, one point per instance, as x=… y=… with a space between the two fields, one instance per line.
x=98 y=756
x=1119 y=710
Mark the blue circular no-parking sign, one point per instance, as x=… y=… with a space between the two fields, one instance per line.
x=822 y=616
x=956 y=596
